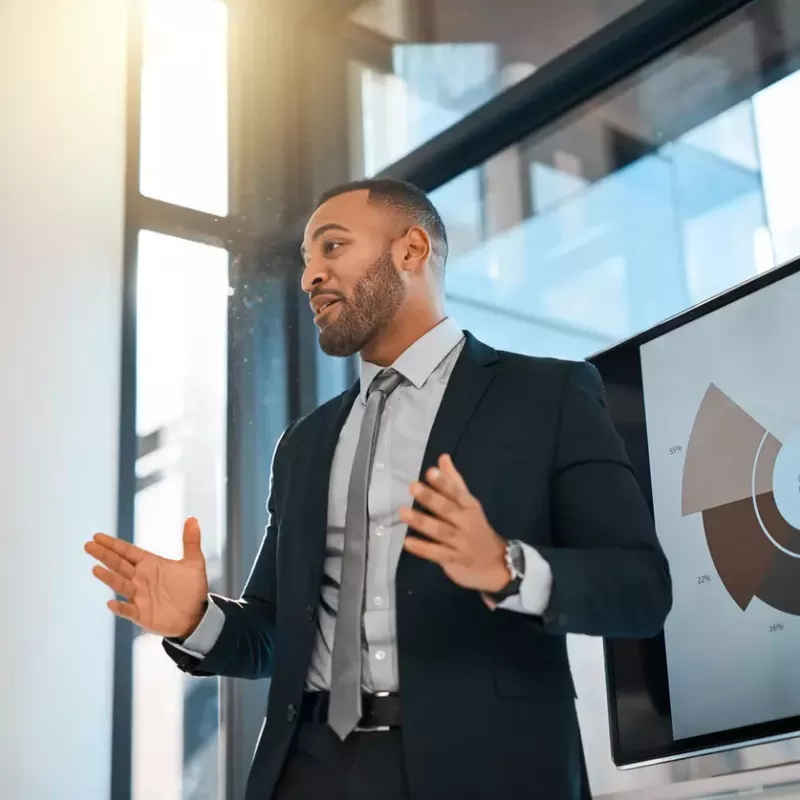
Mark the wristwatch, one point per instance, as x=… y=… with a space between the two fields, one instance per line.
x=515 y=561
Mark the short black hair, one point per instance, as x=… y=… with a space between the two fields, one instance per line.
x=405 y=199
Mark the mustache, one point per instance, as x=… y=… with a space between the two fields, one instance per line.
x=325 y=293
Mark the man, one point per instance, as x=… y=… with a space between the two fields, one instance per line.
x=434 y=533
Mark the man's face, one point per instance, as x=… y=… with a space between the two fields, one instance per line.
x=353 y=285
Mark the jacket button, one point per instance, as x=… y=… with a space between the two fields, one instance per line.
x=311 y=611
x=291 y=712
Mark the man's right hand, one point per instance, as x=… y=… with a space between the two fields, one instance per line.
x=164 y=596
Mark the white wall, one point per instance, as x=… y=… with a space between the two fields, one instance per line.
x=62 y=106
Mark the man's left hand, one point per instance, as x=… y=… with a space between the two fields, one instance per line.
x=459 y=538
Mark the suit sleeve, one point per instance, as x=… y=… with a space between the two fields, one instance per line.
x=610 y=576
x=244 y=645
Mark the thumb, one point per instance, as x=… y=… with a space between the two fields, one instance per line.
x=191 y=540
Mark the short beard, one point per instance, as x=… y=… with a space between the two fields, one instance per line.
x=378 y=295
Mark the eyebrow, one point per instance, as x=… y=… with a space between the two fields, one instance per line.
x=321 y=231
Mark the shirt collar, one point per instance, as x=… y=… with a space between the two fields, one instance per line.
x=418 y=362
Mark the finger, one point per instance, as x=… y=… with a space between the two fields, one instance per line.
x=124 y=610
x=455 y=478
x=130 y=552
x=446 y=479
x=435 y=502
x=110 y=559
x=430 y=551
x=432 y=527
x=191 y=540
x=120 y=585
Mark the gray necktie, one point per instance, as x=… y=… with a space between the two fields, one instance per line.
x=344 y=710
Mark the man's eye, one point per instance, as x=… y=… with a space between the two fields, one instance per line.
x=329 y=247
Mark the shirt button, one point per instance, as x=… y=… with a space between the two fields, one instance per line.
x=379 y=530
x=380 y=655
x=378 y=601
x=379 y=467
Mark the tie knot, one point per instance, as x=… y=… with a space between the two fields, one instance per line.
x=385 y=382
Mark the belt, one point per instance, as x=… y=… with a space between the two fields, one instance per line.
x=380 y=711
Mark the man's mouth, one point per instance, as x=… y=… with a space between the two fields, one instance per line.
x=325 y=306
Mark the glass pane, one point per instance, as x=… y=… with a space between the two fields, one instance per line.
x=432 y=63
x=181 y=415
x=184 y=127
x=674 y=186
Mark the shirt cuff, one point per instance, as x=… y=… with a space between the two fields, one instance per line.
x=205 y=635
x=534 y=591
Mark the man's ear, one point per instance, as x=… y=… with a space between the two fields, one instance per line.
x=416 y=249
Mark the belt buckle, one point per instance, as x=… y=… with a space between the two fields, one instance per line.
x=374 y=728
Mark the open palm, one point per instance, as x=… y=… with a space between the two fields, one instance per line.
x=162 y=595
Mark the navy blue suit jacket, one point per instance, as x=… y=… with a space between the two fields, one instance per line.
x=488 y=700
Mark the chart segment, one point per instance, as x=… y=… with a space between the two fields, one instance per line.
x=728 y=477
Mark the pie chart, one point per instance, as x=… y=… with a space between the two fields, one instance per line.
x=746 y=484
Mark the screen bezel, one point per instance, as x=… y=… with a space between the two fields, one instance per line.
x=628 y=351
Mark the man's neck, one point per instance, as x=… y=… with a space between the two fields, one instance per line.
x=398 y=337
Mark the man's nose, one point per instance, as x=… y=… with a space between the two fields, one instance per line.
x=313 y=276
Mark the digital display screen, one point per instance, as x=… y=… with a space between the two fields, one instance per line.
x=709 y=407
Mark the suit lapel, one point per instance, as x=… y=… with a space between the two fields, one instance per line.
x=471 y=377
x=314 y=519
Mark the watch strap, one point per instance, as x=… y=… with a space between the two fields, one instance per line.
x=509 y=590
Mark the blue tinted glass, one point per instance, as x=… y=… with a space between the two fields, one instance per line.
x=421 y=67
x=644 y=202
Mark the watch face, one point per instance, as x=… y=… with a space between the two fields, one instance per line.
x=517 y=556
x=515 y=559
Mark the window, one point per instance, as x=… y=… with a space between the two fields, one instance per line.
x=169 y=747
x=181 y=413
x=189 y=340
x=674 y=186
x=419 y=66
x=184 y=111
